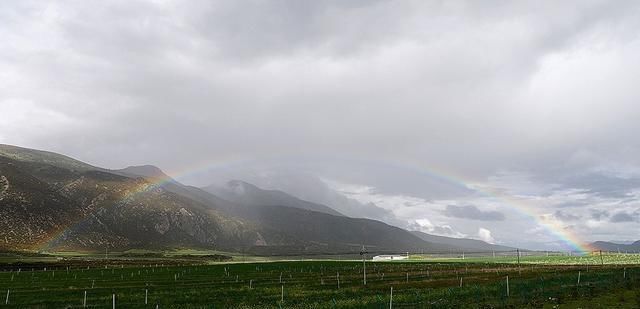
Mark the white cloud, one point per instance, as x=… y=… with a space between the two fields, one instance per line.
x=425 y=225
x=485 y=235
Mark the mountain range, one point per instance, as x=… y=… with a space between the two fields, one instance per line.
x=465 y=243
x=51 y=202
x=615 y=247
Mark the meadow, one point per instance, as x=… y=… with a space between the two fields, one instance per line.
x=422 y=282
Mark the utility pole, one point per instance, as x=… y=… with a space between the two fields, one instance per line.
x=363 y=252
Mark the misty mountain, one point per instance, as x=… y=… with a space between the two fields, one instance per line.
x=615 y=247
x=247 y=194
x=466 y=243
x=52 y=202
x=308 y=187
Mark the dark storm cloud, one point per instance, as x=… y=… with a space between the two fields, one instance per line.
x=473 y=213
x=393 y=80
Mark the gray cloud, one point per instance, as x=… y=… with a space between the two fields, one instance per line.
x=624 y=216
x=566 y=216
x=599 y=214
x=604 y=185
x=473 y=213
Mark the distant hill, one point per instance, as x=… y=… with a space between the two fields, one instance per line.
x=615 y=247
x=52 y=202
x=247 y=194
x=465 y=243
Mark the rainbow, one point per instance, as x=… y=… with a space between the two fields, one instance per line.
x=552 y=227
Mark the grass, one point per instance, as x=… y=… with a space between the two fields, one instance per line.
x=538 y=282
x=623 y=298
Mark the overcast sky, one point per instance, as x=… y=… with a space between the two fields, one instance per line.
x=412 y=105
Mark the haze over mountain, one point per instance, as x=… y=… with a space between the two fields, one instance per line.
x=306 y=186
x=248 y=194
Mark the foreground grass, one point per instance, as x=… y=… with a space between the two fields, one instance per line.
x=314 y=284
x=622 y=298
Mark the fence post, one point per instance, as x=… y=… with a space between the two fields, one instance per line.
x=518 y=251
x=507 y=286
x=578 y=278
x=391 y=299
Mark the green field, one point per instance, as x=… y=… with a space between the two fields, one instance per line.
x=423 y=282
x=586 y=259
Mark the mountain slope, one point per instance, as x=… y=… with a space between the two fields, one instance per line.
x=247 y=194
x=462 y=243
x=43 y=157
x=31 y=210
x=329 y=233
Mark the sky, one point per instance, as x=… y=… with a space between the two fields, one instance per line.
x=485 y=119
